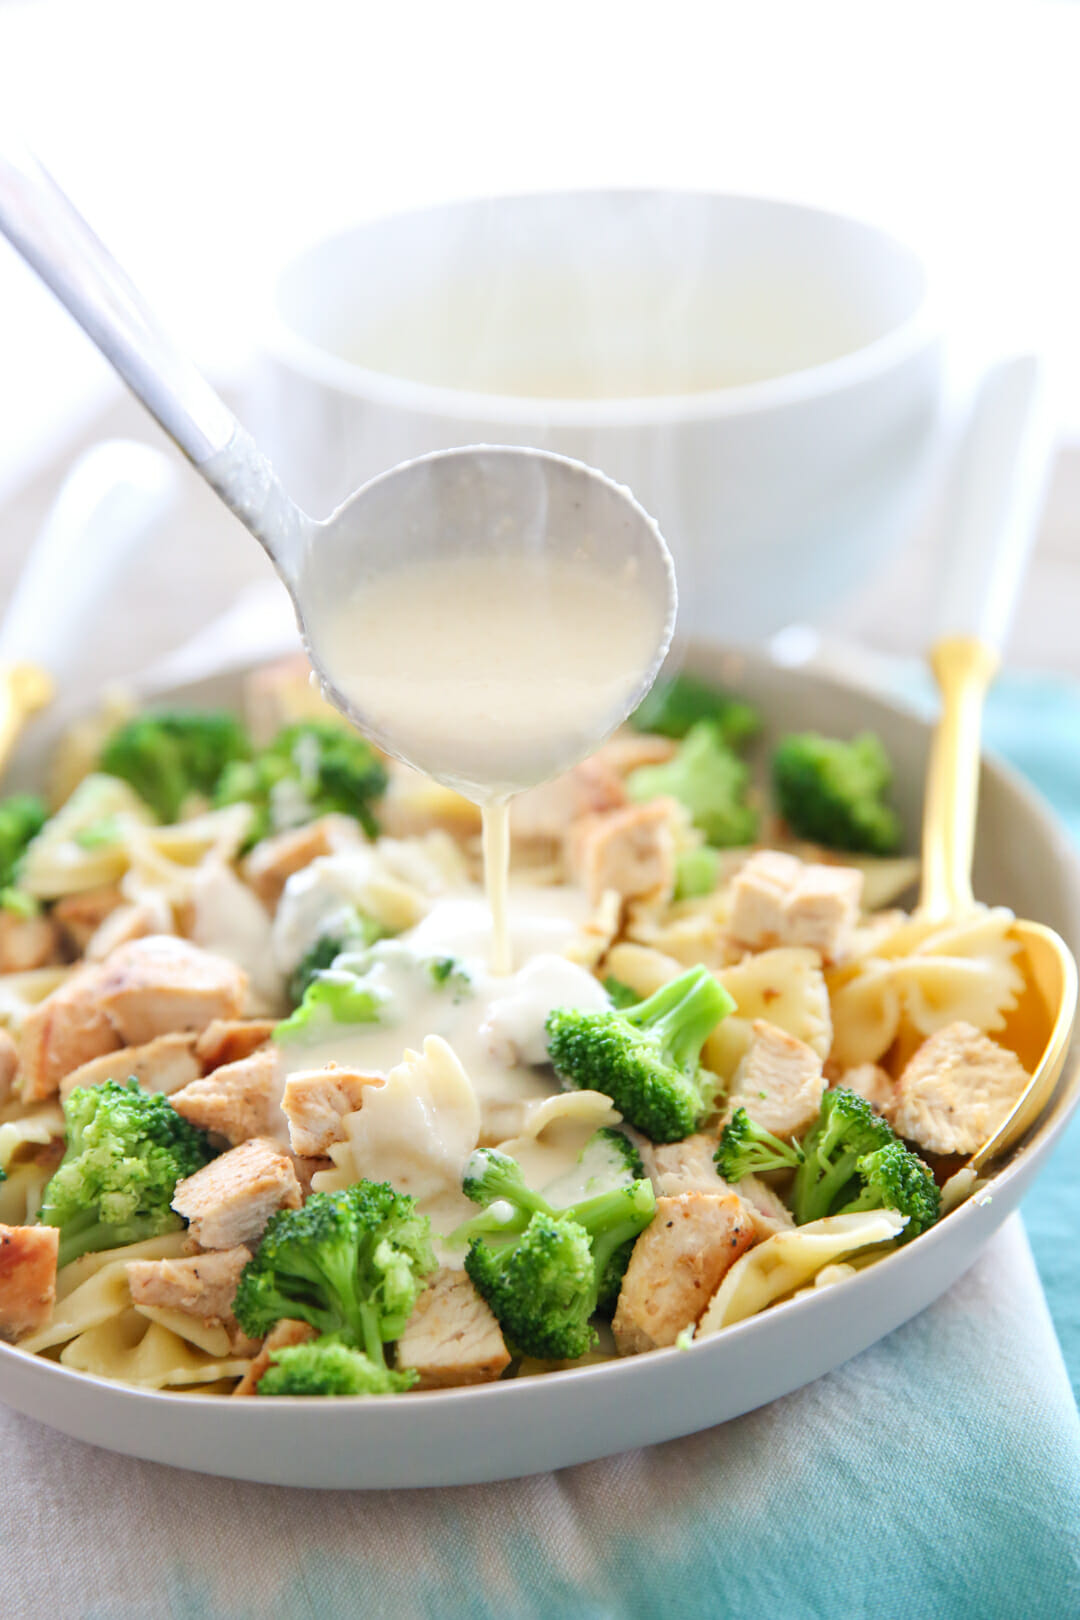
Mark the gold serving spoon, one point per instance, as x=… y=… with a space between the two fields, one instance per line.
x=997 y=499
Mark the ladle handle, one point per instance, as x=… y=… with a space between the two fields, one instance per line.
x=46 y=228
x=992 y=516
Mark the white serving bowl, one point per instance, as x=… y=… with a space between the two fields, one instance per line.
x=497 y=1432
x=765 y=377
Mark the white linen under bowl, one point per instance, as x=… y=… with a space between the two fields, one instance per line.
x=765 y=377
x=500 y=1431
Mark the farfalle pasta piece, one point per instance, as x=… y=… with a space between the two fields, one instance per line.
x=554 y=1132
x=926 y=976
x=790 y=1260
x=59 y=862
x=133 y=1350
x=785 y=987
x=21 y=1193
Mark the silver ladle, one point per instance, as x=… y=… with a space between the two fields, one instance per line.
x=482 y=498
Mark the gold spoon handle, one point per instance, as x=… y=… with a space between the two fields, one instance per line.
x=24 y=689
x=964 y=667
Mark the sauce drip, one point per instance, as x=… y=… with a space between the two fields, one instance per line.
x=496 y=846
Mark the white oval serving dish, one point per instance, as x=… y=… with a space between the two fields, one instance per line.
x=521 y=1427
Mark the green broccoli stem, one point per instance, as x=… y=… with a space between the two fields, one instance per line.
x=372 y=1336
x=683 y=1014
x=84 y=1233
x=813 y=1194
x=611 y=1220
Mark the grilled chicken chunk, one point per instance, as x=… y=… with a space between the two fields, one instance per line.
x=238 y=1101
x=778 y=900
x=545 y=813
x=163 y=1065
x=315 y=1101
x=27 y=943
x=9 y=1064
x=63 y=1032
x=27 y=1278
x=684 y=1167
x=159 y=984
x=956 y=1090
x=227 y=1040
x=631 y=850
x=230 y=1200
x=79 y=916
x=282 y=1335
x=274 y=860
x=676 y=1267
x=126 y=924
x=779 y=1082
x=200 y=1285
x=874 y=1084
x=452 y=1336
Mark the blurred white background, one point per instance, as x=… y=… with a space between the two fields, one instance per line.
x=207 y=139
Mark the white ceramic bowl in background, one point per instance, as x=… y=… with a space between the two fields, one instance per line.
x=460 y=1436
x=765 y=377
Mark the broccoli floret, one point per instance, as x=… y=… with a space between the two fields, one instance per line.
x=697 y=872
x=350 y=1263
x=709 y=780
x=853 y=1159
x=545 y=1272
x=354 y=931
x=747 y=1149
x=176 y=752
x=22 y=817
x=646 y=1058
x=620 y=993
x=832 y=792
x=895 y=1178
x=674 y=706
x=329 y=1366
x=126 y=1150
x=310 y=769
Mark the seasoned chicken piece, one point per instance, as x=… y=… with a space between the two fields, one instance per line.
x=873 y=1083
x=200 y=1285
x=766 y=1208
x=546 y=812
x=274 y=860
x=777 y=900
x=316 y=1100
x=779 y=1082
x=684 y=1167
x=452 y=1337
x=163 y=1065
x=27 y=942
x=159 y=984
x=227 y=1040
x=630 y=850
x=238 y=1101
x=127 y=924
x=676 y=1266
x=79 y=916
x=9 y=1063
x=27 y=1278
x=230 y=1200
x=282 y=1335
x=306 y=1170
x=62 y=1032
x=956 y=1090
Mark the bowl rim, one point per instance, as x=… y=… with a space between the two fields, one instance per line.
x=918 y=333
x=1038 y=1142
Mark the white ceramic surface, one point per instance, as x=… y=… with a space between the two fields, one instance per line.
x=765 y=377
x=461 y=1436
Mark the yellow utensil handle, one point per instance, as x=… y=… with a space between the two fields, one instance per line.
x=24 y=689
x=964 y=668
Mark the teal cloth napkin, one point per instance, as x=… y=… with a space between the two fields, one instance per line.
x=935 y=1476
